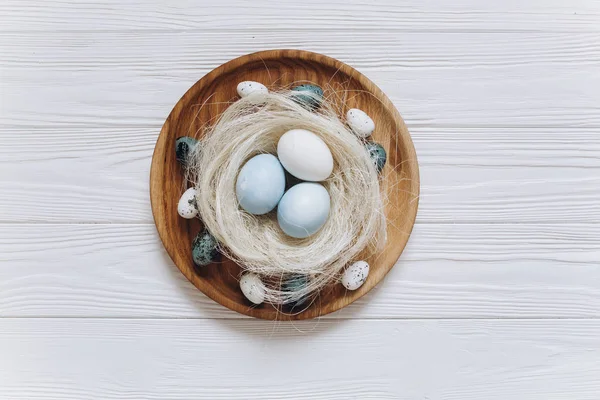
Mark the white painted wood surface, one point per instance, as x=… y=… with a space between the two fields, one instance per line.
x=247 y=359
x=446 y=271
x=497 y=295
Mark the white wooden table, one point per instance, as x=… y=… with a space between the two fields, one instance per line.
x=497 y=295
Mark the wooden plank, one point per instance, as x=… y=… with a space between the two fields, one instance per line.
x=460 y=15
x=100 y=174
x=435 y=79
x=82 y=113
x=447 y=271
x=49 y=359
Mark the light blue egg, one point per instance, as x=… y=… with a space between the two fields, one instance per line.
x=260 y=184
x=303 y=209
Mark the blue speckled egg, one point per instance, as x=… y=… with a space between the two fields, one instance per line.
x=260 y=184
x=377 y=153
x=310 y=96
x=303 y=209
x=204 y=249
x=183 y=147
x=294 y=283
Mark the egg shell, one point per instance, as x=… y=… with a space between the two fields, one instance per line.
x=260 y=184
x=183 y=147
x=377 y=154
x=248 y=88
x=305 y=155
x=204 y=249
x=355 y=275
x=252 y=287
x=187 y=208
x=360 y=123
x=309 y=96
x=303 y=209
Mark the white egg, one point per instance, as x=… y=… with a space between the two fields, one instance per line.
x=355 y=275
x=252 y=287
x=305 y=155
x=248 y=88
x=186 y=207
x=360 y=123
x=303 y=209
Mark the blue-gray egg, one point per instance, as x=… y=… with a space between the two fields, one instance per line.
x=204 y=249
x=260 y=184
x=183 y=147
x=294 y=283
x=377 y=153
x=310 y=96
x=303 y=209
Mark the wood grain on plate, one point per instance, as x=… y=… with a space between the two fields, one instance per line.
x=209 y=97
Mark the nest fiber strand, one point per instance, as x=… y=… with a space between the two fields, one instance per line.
x=356 y=224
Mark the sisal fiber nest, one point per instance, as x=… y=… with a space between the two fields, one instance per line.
x=356 y=226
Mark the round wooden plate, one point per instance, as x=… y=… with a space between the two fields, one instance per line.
x=209 y=97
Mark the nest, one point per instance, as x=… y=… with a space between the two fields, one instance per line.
x=356 y=225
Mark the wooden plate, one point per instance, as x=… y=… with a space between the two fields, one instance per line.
x=208 y=98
